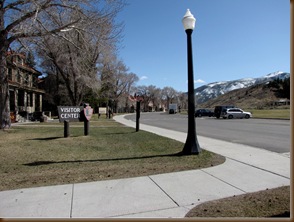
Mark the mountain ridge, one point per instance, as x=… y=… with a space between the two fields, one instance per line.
x=215 y=89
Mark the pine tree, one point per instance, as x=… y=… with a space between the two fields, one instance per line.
x=30 y=60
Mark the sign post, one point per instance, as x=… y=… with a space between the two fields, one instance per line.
x=138 y=100
x=66 y=128
x=70 y=113
x=67 y=114
x=88 y=112
x=75 y=114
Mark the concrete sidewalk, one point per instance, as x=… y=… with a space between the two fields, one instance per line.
x=246 y=169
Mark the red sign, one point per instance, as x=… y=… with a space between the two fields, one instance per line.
x=88 y=111
x=136 y=98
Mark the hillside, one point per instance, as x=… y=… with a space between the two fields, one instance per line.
x=213 y=90
x=256 y=97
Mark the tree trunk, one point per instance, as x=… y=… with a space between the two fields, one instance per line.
x=4 y=89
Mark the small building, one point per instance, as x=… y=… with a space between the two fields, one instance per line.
x=281 y=102
x=23 y=82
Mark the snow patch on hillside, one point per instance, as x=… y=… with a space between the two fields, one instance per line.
x=212 y=90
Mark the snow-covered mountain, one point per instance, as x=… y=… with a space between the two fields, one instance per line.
x=212 y=90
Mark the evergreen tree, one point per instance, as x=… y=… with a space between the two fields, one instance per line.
x=30 y=60
x=286 y=88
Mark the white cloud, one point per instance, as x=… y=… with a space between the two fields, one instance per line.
x=199 y=81
x=143 y=77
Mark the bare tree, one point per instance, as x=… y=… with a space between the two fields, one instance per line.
x=78 y=51
x=23 y=19
x=116 y=81
x=183 y=100
x=154 y=97
x=169 y=95
x=151 y=95
x=132 y=78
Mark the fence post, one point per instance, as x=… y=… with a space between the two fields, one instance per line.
x=66 y=128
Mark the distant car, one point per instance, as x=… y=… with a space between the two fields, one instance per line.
x=203 y=112
x=219 y=111
x=171 y=111
x=236 y=113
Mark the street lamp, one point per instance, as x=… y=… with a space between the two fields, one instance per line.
x=191 y=145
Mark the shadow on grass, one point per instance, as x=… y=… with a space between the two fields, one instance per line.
x=48 y=138
x=56 y=137
x=39 y=163
x=72 y=136
x=117 y=133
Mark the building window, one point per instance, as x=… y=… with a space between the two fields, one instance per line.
x=21 y=98
x=26 y=79
x=18 y=78
x=34 y=81
x=10 y=74
x=12 y=100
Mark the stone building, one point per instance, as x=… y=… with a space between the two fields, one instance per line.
x=23 y=81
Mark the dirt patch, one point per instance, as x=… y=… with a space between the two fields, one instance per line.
x=266 y=203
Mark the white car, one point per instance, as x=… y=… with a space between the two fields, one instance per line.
x=236 y=113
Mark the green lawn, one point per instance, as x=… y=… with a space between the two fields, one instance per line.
x=270 y=113
x=38 y=154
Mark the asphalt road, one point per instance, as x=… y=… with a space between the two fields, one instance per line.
x=269 y=134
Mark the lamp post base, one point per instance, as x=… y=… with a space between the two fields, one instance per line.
x=191 y=147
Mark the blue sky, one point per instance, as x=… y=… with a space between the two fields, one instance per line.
x=232 y=39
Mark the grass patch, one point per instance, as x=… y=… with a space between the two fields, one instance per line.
x=38 y=155
x=270 y=113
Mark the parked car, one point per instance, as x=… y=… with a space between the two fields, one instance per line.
x=204 y=112
x=172 y=108
x=220 y=110
x=236 y=113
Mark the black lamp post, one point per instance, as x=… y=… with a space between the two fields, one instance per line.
x=191 y=145
x=138 y=105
